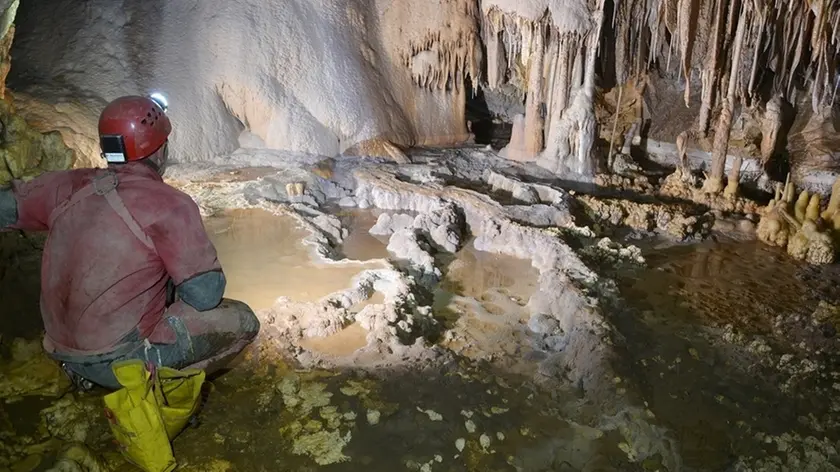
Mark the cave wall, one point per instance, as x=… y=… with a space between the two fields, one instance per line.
x=316 y=76
x=25 y=151
x=329 y=77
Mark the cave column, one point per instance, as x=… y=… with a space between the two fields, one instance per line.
x=720 y=147
x=533 y=118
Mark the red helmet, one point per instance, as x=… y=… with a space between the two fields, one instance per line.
x=133 y=128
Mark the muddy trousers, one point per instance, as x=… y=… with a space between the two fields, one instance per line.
x=185 y=338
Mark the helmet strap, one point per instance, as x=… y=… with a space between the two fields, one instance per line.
x=158 y=159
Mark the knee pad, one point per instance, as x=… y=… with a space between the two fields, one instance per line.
x=249 y=322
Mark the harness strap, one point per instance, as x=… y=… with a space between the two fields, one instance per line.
x=105 y=185
x=113 y=199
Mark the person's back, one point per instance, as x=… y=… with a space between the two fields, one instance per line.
x=99 y=280
x=117 y=239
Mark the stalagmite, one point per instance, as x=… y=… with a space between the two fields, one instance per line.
x=801 y=205
x=790 y=191
x=733 y=180
x=771 y=123
x=615 y=124
x=833 y=202
x=682 y=145
x=714 y=181
x=630 y=138
x=812 y=211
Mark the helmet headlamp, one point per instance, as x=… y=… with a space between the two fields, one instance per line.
x=161 y=100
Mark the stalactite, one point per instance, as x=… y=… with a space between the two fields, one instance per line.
x=788 y=31
x=800 y=45
x=551 y=75
x=735 y=47
x=495 y=60
x=437 y=63
x=577 y=68
x=687 y=27
x=560 y=90
x=710 y=72
x=622 y=41
x=558 y=146
x=759 y=31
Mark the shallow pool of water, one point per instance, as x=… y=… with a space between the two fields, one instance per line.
x=483 y=299
x=454 y=419
x=264 y=257
x=698 y=323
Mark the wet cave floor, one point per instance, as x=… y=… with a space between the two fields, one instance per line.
x=732 y=346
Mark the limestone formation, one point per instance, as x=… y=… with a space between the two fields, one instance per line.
x=813 y=147
x=26 y=153
x=771 y=124
x=556 y=43
x=75 y=118
x=724 y=43
x=801 y=228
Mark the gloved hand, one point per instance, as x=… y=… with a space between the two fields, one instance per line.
x=8 y=208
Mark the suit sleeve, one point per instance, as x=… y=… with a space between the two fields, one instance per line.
x=182 y=242
x=35 y=200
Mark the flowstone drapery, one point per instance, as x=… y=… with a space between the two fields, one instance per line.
x=550 y=48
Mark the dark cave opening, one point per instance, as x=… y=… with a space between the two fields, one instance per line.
x=488 y=128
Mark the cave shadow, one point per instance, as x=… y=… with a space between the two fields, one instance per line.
x=487 y=128
x=20 y=285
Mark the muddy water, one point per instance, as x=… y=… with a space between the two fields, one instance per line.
x=483 y=295
x=457 y=418
x=264 y=257
x=482 y=298
x=452 y=419
x=359 y=244
x=712 y=392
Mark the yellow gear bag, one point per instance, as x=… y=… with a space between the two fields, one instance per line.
x=150 y=410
